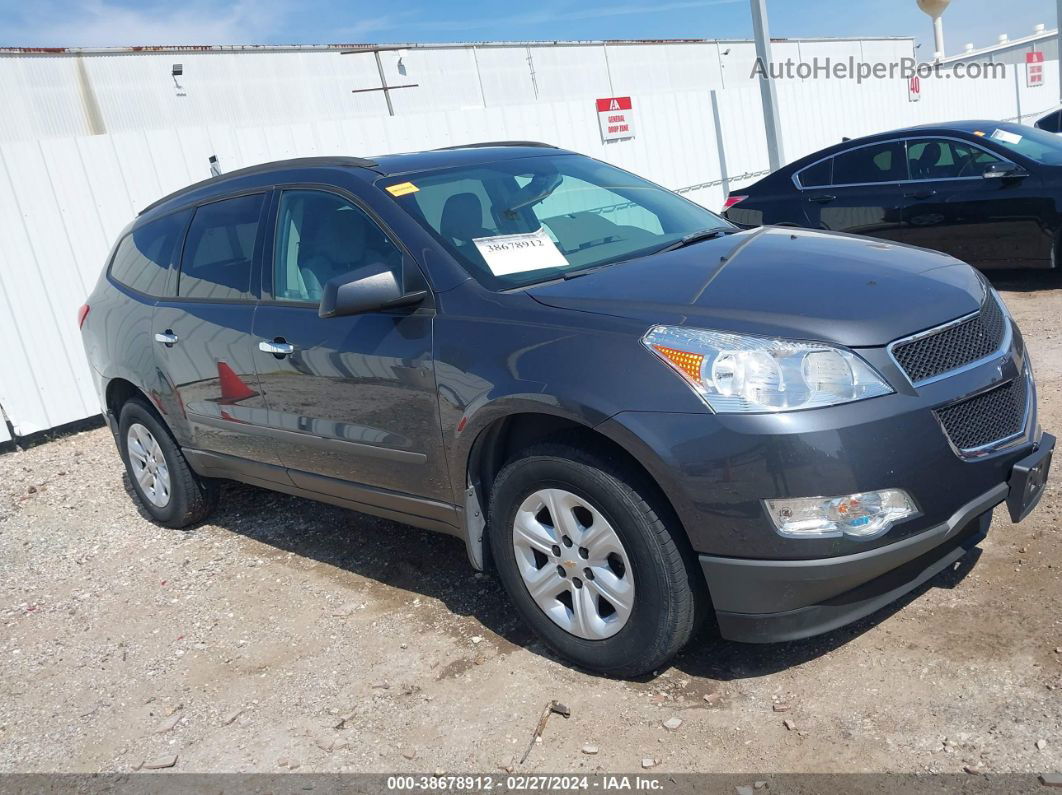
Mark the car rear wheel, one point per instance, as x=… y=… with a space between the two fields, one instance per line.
x=166 y=487
x=582 y=547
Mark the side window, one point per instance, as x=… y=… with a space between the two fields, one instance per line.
x=817 y=176
x=944 y=159
x=144 y=257
x=219 y=252
x=321 y=236
x=884 y=162
x=973 y=159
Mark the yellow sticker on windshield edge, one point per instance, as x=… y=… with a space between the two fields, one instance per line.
x=402 y=188
x=979 y=134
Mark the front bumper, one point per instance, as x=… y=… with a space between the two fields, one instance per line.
x=716 y=470
x=761 y=601
x=764 y=601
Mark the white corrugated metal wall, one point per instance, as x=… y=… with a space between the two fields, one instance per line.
x=117 y=91
x=64 y=199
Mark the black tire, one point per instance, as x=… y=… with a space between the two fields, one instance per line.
x=191 y=498
x=669 y=590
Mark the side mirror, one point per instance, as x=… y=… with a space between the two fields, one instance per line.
x=367 y=289
x=1003 y=170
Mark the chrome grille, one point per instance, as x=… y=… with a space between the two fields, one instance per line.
x=958 y=344
x=989 y=417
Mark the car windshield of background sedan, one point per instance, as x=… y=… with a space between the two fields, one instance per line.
x=528 y=220
x=1043 y=147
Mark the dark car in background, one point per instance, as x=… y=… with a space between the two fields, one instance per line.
x=1052 y=122
x=986 y=192
x=628 y=409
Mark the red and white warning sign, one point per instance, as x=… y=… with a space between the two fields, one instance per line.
x=616 y=117
x=1034 y=69
x=914 y=88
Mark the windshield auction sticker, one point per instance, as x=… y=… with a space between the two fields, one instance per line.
x=505 y=254
x=1006 y=137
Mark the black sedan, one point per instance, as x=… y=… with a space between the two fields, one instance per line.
x=986 y=192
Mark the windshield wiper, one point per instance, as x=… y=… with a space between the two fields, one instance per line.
x=697 y=237
x=586 y=271
x=691 y=238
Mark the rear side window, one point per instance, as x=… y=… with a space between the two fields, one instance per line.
x=143 y=259
x=219 y=252
x=816 y=176
x=884 y=162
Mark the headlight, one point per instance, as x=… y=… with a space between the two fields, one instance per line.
x=865 y=515
x=734 y=373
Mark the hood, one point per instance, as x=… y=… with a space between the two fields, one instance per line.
x=785 y=282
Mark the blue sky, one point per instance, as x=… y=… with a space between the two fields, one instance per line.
x=88 y=23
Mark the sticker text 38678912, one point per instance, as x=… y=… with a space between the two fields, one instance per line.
x=532 y=251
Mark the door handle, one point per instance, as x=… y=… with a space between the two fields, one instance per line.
x=277 y=347
x=167 y=338
x=822 y=198
x=920 y=194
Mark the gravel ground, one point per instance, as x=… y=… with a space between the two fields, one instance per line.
x=292 y=635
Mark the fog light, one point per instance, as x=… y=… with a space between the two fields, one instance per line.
x=858 y=515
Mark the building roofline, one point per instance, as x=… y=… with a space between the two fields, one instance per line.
x=1001 y=46
x=193 y=49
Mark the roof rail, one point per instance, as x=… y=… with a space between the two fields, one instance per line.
x=295 y=162
x=495 y=143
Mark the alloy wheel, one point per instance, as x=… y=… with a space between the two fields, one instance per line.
x=148 y=464
x=573 y=564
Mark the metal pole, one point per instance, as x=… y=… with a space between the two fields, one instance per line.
x=770 y=113
x=384 y=86
x=1058 y=46
x=938 y=37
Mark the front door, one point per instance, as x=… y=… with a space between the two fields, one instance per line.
x=353 y=406
x=949 y=206
x=203 y=344
x=863 y=196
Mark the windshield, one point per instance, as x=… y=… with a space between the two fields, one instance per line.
x=1043 y=147
x=528 y=220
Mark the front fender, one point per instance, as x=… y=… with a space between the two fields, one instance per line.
x=500 y=355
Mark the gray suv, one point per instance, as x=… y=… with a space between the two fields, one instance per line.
x=632 y=412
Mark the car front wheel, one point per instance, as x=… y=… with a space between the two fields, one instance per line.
x=584 y=549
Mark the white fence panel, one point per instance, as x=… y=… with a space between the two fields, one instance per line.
x=1036 y=101
x=744 y=146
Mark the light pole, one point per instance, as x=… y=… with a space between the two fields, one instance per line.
x=772 y=126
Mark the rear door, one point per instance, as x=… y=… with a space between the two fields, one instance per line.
x=949 y=206
x=862 y=195
x=353 y=407
x=119 y=342
x=203 y=344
